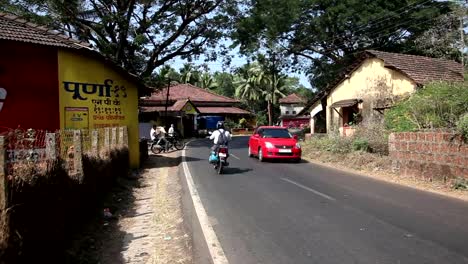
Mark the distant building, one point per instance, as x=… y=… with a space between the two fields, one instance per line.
x=189 y=108
x=49 y=81
x=290 y=106
x=372 y=84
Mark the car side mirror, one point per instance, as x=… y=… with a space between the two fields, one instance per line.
x=295 y=137
x=256 y=135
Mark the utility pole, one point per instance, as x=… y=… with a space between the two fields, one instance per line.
x=462 y=34
x=167 y=102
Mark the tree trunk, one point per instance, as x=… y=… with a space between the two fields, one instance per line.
x=270 y=114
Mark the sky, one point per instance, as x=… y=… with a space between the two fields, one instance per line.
x=236 y=61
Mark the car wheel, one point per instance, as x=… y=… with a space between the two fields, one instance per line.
x=250 y=152
x=260 y=155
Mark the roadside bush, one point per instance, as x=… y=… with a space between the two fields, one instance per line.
x=333 y=143
x=360 y=144
x=438 y=105
x=376 y=136
x=462 y=126
x=242 y=122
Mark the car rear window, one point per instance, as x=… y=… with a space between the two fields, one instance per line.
x=275 y=133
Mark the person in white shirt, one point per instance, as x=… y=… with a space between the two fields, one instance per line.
x=220 y=136
x=170 y=132
x=153 y=133
x=158 y=133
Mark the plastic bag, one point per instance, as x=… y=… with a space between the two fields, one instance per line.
x=213 y=157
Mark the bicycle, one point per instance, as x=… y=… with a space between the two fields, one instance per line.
x=171 y=142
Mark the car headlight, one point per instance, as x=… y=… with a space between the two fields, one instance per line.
x=269 y=145
x=298 y=145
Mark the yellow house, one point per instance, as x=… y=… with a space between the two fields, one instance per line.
x=372 y=84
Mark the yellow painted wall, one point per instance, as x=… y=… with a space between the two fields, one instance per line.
x=362 y=83
x=107 y=99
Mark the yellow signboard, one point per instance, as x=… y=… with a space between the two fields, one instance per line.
x=92 y=92
x=189 y=108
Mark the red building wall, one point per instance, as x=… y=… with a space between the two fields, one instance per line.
x=29 y=74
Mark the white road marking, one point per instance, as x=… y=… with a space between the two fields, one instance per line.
x=234 y=156
x=309 y=189
x=214 y=247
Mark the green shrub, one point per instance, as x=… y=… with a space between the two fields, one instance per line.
x=462 y=126
x=360 y=144
x=334 y=144
x=229 y=124
x=438 y=105
x=375 y=134
x=460 y=184
x=243 y=122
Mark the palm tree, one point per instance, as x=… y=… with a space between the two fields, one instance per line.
x=206 y=81
x=275 y=87
x=188 y=74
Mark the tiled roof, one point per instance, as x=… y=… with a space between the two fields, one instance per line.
x=421 y=69
x=188 y=91
x=177 y=106
x=202 y=110
x=222 y=110
x=17 y=29
x=292 y=99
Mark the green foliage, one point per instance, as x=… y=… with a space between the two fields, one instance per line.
x=139 y=35
x=360 y=144
x=460 y=184
x=229 y=124
x=262 y=119
x=328 y=34
x=462 y=126
x=332 y=143
x=438 y=105
x=243 y=122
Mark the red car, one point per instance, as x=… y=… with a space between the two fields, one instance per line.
x=271 y=142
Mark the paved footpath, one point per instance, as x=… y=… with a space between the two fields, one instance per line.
x=154 y=230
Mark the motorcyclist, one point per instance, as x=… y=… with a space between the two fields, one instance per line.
x=220 y=136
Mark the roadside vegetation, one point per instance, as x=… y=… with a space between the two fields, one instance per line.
x=439 y=105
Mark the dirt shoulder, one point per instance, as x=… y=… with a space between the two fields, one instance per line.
x=146 y=223
x=379 y=168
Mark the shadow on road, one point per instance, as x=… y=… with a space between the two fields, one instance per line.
x=232 y=171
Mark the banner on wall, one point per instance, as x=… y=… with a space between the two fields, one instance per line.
x=106 y=103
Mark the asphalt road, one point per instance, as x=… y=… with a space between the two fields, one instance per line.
x=283 y=212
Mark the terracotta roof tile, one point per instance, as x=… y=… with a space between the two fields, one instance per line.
x=17 y=29
x=421 y=69
x=292 y=99
x=188 y=91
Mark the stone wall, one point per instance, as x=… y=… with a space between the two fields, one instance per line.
x=430 y=155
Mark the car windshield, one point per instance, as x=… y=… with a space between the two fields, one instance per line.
x=276 y=133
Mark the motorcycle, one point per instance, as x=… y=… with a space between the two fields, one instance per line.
x=220 y=160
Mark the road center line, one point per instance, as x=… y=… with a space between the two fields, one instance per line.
x=309 y=189
x=234 y=156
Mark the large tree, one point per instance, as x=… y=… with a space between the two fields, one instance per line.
x=327 y=35
x=140 y=35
